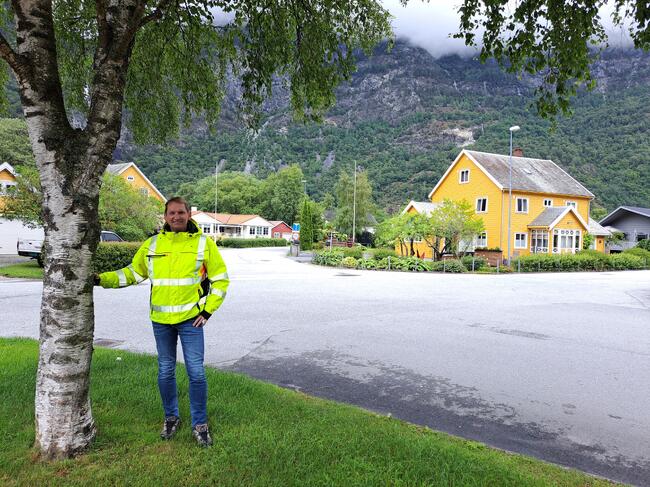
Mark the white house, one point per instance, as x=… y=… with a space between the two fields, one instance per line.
x=232 y=226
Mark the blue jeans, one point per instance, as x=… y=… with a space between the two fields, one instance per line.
x=192 y=344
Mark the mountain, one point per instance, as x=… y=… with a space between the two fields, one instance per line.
x=405 y=115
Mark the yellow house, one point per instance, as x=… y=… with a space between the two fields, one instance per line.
x=7 y=180
x=132 y=174
x=548 y=210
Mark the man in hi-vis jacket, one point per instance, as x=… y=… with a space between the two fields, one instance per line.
x=188 y=283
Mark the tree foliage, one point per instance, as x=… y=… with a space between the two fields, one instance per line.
x=122 y=208
x=311 y=224
x=559 y=40
x=281 y=194
x=354 y=202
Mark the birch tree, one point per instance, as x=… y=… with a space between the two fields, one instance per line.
x=164 y=61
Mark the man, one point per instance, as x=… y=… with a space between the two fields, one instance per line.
x=188 y=283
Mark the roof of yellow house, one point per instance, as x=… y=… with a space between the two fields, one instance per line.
x=596 y=228
x=119 y=168
x=5 y=166
x=552 y=215
x=422 y=207
x=528 y=174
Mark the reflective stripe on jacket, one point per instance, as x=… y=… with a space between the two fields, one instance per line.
x=175 y=262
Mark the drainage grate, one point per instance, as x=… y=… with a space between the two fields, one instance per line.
x=107 y=342
x=343 y=274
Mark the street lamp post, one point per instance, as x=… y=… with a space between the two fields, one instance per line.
x=512 y=129
x=354 y=203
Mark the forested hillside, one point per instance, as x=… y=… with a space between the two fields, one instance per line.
x=404 y=118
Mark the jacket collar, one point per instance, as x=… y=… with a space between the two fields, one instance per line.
x=192 y=228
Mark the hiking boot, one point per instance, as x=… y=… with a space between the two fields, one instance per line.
x=169 y=427
x=202 y=435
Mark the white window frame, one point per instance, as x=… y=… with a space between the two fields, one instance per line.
x=537 y=237
x=572 y=203
x=481 y=240
x=276 y=234
x=130 y=178
x=525 y=244
x=549 y=201
x=251 y=230
x=517 y=200
x=477 y=205
x=460 y=176
x=144 y=191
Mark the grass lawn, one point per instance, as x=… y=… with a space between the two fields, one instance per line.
x=30 y=270
x=264 y=435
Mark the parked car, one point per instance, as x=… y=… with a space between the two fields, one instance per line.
x=32 y=247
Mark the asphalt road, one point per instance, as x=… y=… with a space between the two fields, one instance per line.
x=551 y=365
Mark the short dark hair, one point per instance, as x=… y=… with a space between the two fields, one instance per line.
x=178 y=199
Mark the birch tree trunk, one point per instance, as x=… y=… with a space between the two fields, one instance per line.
x=71 y=163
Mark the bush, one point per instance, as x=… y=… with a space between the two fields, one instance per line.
x=328 y=257
x=367 y=264
x=111 y=256
x=349 y=262
x=479 y=262
x=379 y=254
x=356 y=251
x=452 y=265
x=639 y=252
x=587 y=260
x=626 y=261
x=240 y=243
x=644 y=244
x=409 y=264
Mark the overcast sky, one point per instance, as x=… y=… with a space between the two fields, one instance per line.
x=429 y=25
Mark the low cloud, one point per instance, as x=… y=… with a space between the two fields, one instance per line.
x=430 y=25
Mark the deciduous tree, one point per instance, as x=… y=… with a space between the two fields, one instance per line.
x=350 y=206
x=164 y=61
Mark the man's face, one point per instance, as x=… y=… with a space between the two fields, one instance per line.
x=177 y=217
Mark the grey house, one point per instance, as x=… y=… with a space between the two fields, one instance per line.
x=632 y=221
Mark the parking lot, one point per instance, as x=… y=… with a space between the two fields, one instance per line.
x=552 y=365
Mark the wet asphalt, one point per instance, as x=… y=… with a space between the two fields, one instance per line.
x=550 y=365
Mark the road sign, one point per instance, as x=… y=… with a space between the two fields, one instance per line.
x=295 y=227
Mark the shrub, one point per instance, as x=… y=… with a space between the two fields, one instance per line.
x=385 y=263
x=479 y=262
x=588 y=260
x=625 y=261
x=411 y=264
x=356 y=251
x=639 y=252
x=379 y=254
x=328 y=257
x=367 y=264
x=111 y=256
x=240 y=243
x=452 y=265
x=349 y=262
x=644 y=244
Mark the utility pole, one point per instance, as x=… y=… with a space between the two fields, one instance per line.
x=354 y=203
x=216 y=192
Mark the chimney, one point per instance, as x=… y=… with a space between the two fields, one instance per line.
x=518 y=152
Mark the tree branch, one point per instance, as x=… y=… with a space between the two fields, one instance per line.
x=16 y=63
x=157 y=12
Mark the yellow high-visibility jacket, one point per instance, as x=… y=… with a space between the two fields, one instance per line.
x=174 y=263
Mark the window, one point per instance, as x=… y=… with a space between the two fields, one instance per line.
x=481 y=205
x=251 y=231
x=520 y=240
x=276 y=234
x=464 y=176
x=481 y=240
x=144 y=191
x=571 y=203
x=539 y=241
x=266 y=230
x=130 y=178
x=206 y=228
x=522 y=205
x=641 y=236
x=548 y=203
x=566 y=241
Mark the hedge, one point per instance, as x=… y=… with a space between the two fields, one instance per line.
x=582 y=261
x=111 y=256
x=240 y=243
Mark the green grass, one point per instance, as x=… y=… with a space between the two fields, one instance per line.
x=264 y=435
x=29 y=270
